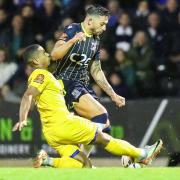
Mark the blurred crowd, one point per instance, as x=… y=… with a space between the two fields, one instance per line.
x=140 y=50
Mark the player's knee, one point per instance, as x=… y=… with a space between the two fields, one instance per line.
x=102 y=138
x=99 y=109
x=102 y=109
x=102 y=118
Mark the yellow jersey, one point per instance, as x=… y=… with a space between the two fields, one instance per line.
x=50 y=101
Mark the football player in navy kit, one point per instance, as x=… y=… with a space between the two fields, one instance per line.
x=77 y=52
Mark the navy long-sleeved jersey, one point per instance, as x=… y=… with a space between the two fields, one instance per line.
x=74 y=65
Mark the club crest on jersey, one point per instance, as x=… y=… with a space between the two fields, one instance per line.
x=39 y=78
x=69 y=27
x=76 y=93
x=93 y=46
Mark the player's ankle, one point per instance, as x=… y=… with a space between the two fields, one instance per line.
x=143 y=155
x=48 y=161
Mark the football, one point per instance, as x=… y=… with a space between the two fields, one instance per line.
x=135 y=165
x=128 y=162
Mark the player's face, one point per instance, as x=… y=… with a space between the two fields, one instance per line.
x=44 y=57
x=99 y=24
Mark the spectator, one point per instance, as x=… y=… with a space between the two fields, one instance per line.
x=126 y=67
x=106 y=63
x=171 y=26
x=3 y=23
x=16 y=38
x=174 y=54
x=7 y=70
x=117 y=84
x=170 y=16
x=49 y=17
x=160 y=4
x=156 y=37
x=74 y=9
x=142 y=54
x=20 y=82
x=9 y=6
x=124 y=32
x=66 y=22
x=31 y=23
x=140 y=15
x=115 y=11
x=97 y=90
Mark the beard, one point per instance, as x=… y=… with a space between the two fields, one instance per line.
x=96 y=33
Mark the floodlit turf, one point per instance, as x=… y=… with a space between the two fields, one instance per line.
x=90 y=174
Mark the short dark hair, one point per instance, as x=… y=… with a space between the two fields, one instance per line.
x=6 y=51
x=30 y=53
x=97 y=10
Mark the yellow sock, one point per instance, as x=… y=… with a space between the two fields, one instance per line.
x=121 y=147
x=66 y=162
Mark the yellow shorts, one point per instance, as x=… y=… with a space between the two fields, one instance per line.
x=70 y=130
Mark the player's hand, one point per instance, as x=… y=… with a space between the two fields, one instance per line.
x=79 y=37
x=119 y=100
x=19 y=125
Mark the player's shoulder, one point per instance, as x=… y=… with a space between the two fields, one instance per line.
x=72 y=29
x=41 y=73
x=73 y=26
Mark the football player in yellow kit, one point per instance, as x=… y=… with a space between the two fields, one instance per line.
x=63 y=130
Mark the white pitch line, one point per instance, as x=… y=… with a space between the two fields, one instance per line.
x=154 y=122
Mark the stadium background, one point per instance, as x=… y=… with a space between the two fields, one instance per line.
x=140 y=55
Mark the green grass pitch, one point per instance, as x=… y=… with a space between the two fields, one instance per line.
x=90 y=174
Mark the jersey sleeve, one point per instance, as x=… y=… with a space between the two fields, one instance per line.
x=38 y=79
x=69 y=32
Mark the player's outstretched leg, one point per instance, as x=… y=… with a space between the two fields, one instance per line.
x=121 y=147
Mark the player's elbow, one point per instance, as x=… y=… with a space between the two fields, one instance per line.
x=54 y=56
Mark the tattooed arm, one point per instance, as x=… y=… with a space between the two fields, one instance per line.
x=101 y=80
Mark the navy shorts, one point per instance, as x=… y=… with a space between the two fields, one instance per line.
x=74 y=90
